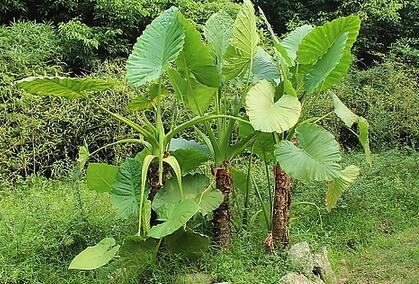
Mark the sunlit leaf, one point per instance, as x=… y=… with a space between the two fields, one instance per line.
x=317 y=42
x=217 y=31
x=84 y=156
x=269 y=116
x=95 y=256
x=363 y=127
x=244 y=41
x=343 y=112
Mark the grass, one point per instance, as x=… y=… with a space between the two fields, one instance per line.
x=371 y=235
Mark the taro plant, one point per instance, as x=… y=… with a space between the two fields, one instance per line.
x=140 y=186
x=310 y=60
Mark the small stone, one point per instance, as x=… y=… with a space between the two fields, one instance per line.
x=294 y=278
x=322 y=267
x=301 y=258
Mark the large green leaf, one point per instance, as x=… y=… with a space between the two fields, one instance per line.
x=264 y=67
x=340 y=70
x=137 y=252
x=317 y=157
x=187 y=243
x=141 y=102
x=244 y=41
x=174 y=215
x=363 y=127
x=338 y=185
x=190 y=154
x=95 y=256
x=198 y=97
x=325 y=65
x=196 y=57
x=317 y=42
x=160 y=44
x=126 y=188
x=343 y=112
x=195 y=187
x=100 y=177
x=69 y=88
x=269 y=116
x=217 y=31
x=292 y=41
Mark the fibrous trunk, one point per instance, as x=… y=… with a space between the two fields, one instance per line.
x=153 y=182
x=221 y=218
x=281 y=208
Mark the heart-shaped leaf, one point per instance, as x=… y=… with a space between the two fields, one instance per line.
x=174 y=215
x=196 y=57
x=95 y=256
x=160 y=44
x=190 y=154
x=100 y=177
x=326 y=64
x=316 y=159
x=268 y=116
x=317 y=42
x=195 y=187
x=343 y=112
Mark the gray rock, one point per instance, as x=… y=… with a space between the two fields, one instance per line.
x=301 y=258
x=322 y=267
x=294 y=278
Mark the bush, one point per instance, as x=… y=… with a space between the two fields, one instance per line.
x=42 y=134
x=91 y=31
x=383 y=21
x=386 y=96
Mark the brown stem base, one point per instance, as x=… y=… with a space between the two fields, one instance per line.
x=281 y=209
x=221 y=217
x=155 y=186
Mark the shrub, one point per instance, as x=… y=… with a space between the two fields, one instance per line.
x=41 y=134
x=386 y=96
